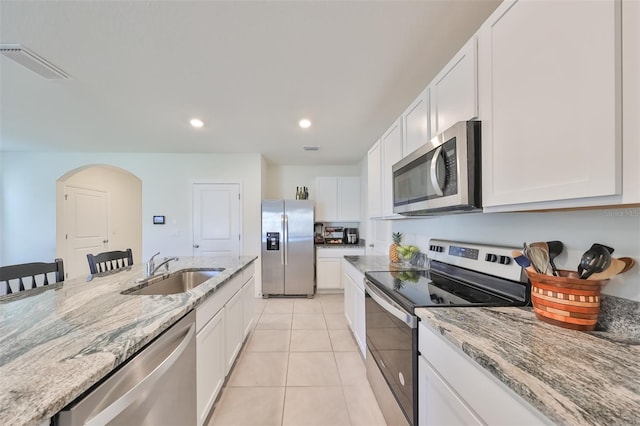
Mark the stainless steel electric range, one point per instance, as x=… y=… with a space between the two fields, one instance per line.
x=458 y=275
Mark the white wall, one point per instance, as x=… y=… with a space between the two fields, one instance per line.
x=617 y=228
x=282 y=180
x=29 y=188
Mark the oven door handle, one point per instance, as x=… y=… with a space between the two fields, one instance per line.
x=389 y=305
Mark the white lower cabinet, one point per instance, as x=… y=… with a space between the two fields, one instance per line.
x=210 y=364
x=329 y=266
x=222 y=323
x=453 y=390
x=353 y=282
x=233 y=329
x=248 y=305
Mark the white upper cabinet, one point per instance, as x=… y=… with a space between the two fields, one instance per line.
x=374 y=180
x=631 y=101
x=454 y=91
x=391 y=153
x=416 y=123
x=337 y=199
x=549 y=82
x=349 y=199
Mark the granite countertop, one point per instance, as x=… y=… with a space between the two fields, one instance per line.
x=571 y=377
x=377 y=263
x=343 y=246
x=55 y=344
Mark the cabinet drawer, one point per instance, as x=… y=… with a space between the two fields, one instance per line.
x=339 y=252
x=213 y=304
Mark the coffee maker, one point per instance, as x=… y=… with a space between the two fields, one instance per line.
x=350 y=236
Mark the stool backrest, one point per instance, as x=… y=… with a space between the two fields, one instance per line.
x=109 y=260
x=31 y=275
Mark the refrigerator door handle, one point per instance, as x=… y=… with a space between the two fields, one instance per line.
x=286 y=239
x=283 y=240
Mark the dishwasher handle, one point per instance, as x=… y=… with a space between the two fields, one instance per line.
x=144 y=385
x=389 y=305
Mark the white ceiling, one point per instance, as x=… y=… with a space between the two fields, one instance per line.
x=141 y=69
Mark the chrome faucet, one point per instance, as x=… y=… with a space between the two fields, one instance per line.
x=152 y=268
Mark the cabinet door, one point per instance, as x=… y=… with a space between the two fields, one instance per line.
x=349 y=199
x=631 y=101
x=210 y=364
x=349 y=288
x=391 y=154
x=374 y=180
x=248 y=306
x=416 y=124
x=328 y=273
x=454 y=91
x=438 y=404
x=233 y=329
x=551 y=102
x=359 y=329
x=326 y=205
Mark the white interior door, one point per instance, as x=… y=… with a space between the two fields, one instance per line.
x=86 y=228
x=216 y=219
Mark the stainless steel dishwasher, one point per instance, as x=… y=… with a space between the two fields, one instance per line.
x=156 y=387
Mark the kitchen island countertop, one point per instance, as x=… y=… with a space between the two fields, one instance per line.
x=57 y=343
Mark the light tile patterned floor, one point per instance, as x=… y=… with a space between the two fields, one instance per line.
x=300 y=366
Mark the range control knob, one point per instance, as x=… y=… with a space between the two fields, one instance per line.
x=505 y=260
x=437 y=249
x=490 y=257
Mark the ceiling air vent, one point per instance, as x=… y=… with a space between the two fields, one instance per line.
x=310 y=148
x=30 y=60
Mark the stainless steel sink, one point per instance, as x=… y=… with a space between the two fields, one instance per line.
x=177 y=282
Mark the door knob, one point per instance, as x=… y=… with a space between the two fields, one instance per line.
x=196 y=246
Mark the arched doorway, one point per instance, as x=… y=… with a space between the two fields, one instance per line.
x=98 y=208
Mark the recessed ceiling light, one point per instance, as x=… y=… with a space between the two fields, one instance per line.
x=305 y=123
x=196 y=122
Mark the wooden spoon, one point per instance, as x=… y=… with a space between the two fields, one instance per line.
x=616 y=267
x=628 y=263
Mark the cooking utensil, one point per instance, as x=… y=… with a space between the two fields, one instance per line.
x=596 y=259
x=554 y=248
x=539 y=258
x=614 y=268
x=628 y=264
x=544 y=247
x=525 y=251
x=520 y=259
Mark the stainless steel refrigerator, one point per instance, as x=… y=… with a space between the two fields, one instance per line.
x=287 y=248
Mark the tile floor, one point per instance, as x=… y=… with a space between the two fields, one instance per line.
x=300 y=366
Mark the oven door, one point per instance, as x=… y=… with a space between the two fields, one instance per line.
x=392 y=342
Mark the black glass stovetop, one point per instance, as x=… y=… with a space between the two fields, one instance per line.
x=429 y=288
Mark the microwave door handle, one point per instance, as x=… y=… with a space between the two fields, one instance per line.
x=435 y=160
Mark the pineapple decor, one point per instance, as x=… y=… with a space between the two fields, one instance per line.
x=393 y=248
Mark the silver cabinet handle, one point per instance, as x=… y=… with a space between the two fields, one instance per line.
x=105 y=241
x=437 y=186
x=143 y=386
x=389 y=305
x=196 y=246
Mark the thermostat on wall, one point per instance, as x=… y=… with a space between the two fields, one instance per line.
x=158 y=220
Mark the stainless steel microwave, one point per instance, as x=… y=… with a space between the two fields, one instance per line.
x=442 y=176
